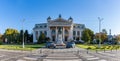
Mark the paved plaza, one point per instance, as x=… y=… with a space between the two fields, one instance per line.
x=72 y=54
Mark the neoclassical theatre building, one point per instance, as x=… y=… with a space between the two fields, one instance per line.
x=54 y=27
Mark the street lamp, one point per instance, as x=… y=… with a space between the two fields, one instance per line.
x=23 y=34
x=100 y=19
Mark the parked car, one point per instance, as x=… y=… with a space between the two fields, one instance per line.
x=110 y=42
x=70 y=45
x=50 y=45
x=79 y=41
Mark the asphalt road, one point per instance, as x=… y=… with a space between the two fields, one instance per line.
x=73 y=54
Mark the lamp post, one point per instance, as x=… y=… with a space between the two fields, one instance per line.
x=23 y=34
x=100 y=19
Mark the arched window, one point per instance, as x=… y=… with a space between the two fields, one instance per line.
x=53 y=31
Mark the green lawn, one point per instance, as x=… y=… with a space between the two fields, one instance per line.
x=95 y=47
x=19 y=47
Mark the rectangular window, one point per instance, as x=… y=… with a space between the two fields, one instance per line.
x=78 y=33
x=40 y=32
x=45 y=32
x=45 y=26
x=73 y=38
x=40 y=26
x=74 y=32
x=36 y=26
x=74 y=26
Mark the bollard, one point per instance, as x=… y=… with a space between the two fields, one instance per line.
x=104 y=50
x=87 y=51
x=40 y=51
x=96 y=51
x=78 y=52
x=52 y=51
x=116 y=49
x=111 y=50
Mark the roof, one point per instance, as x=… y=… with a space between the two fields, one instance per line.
x=60 y=20
x=41 y=24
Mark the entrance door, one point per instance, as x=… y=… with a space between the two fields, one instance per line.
x=66 y=38
x=53 y=38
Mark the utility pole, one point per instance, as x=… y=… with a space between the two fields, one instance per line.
x=100 y=19
x=23 y=34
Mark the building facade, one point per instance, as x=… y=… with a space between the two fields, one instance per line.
x=68 y=29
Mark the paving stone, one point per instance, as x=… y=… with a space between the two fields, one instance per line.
x=62 y=57
x=61 y=60
x=30 y=58
x=89 y=56
x=2 y=55
x=102 y=60
x=21 y=60
x=94 y=58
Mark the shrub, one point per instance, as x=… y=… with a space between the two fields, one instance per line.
x=89 y=48
x=1 y=42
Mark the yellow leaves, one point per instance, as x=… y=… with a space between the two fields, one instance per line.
x=11 y=31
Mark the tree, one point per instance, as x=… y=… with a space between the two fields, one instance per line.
x=102 y=36
x=26 y=36
x=11 y=35
x=41 y=38
x=118 y=38
x=104 y=31
x=31 y=37
x=47 y=39
x=87 y=35
x=1 y=38
x=20 y=37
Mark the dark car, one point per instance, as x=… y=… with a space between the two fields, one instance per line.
x=79 y=41
x=50 y=45
x=70 y=45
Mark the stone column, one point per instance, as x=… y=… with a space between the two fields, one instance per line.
x=56 y=34
x=49 y=33
x=38 y=34
x=71 y=33
x=80 y=34
x=69 y=37
x=34 y=37
x=63 y=34
x=76 y=35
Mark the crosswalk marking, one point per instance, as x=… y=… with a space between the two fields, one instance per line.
x=30 y=58
x=21 y=60
x=94 y=58
x=102 y=60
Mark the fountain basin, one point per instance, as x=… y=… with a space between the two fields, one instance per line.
x=60 y=46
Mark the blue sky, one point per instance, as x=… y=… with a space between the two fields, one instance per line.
x=12 y=12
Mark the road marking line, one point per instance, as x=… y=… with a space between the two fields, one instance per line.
x=93 y=58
